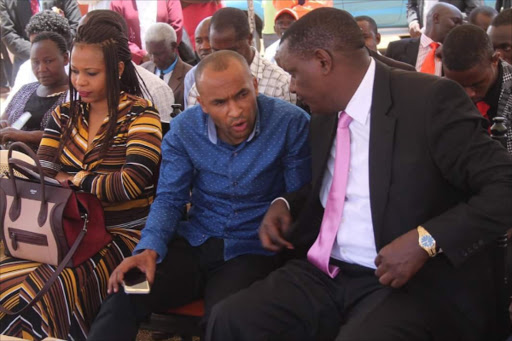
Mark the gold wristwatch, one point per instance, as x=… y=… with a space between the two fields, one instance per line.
x=426 y=241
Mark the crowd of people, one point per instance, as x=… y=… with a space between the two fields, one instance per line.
x=323 y=188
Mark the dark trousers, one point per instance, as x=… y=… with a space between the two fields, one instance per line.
x=186 y=274
x=299 y=302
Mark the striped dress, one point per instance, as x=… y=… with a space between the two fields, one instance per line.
x=124 y=182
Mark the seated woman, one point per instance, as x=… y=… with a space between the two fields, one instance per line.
x=49 y=57
x=106 y=141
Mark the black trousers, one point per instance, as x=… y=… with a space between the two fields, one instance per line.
x=186 y=274
x=299 y=302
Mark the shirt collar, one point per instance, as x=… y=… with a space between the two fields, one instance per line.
x=425 y=41
x=212 y=131
x=361 y=102
x=170 y=68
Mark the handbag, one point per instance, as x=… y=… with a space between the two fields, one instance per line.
x=47 y=223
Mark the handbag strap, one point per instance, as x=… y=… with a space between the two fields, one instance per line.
x=15 y=210
x=56 y=273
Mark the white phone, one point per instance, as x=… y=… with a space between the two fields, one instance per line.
x=21 y=121
x=135 y=282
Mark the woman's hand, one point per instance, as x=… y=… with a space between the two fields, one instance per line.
x=63 y=177
x=9 y=134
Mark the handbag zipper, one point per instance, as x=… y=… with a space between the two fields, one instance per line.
x=20 y=236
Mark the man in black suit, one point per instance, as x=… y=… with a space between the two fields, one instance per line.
x=424 y=180
x=417 y=9
x=441 y=19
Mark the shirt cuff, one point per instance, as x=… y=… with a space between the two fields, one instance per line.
x=154 y=244
x=283 y=199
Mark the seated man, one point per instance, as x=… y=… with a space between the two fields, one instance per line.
x=165 y=62
x=470 y=60
x=203 y=49
x=282 y=20
x=237 y=151
x=370 y=31
x=421 y=52
x=482 y=16
x=500 y=32
x=403 y=171
x=229 y=30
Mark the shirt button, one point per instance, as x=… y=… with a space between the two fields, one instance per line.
x=235 y=154
x=235 y=183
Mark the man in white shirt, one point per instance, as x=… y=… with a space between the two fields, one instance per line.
x=229 y=30
x=441 y=19
x=404 y=208
x=283 y=19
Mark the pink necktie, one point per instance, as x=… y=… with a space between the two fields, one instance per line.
x=320 y=253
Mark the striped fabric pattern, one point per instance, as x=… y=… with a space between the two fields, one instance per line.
x=124 y=182
x=68 y=309
x=124 y=179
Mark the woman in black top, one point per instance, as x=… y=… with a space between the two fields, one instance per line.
x=49 y=57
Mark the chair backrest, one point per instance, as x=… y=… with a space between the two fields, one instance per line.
x=4 y=165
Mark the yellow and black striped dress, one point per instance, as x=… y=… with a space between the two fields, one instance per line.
x=124 y=181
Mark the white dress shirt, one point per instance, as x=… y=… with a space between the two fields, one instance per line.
x=270 y=52
x=423 y=50
x=355 y=242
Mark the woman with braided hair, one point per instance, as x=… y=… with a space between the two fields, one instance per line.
x=106 y=141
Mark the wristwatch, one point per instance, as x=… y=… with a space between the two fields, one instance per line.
x=426 y=241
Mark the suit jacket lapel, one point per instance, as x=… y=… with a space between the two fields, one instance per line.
x=177 y=75
x=382 y=131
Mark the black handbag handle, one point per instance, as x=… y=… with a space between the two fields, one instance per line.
x=15 y=210
x=56 y=274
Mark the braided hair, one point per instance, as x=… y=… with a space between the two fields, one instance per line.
x=108 y=34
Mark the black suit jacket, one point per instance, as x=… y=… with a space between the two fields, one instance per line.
x=432 y=163
x=404 y=50
x=415 y=8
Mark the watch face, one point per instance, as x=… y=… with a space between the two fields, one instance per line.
x=427 y=241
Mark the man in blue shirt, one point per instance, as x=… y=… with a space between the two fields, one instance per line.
x=237 y=151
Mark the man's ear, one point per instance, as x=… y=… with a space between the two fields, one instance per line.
x=249 y=39
x=120 y=69
x=435 y=18
x=255 y=84
x=495 y=58
x=377 y=38
x=200 y=101
x=324 y=58
x=66 y=58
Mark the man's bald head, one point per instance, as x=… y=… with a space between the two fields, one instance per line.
x=202 y=38
x=220 y=61
x=441 y=19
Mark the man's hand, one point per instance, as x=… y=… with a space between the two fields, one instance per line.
x=144 y=261
x=276 y=225
x=398 y=261
x=414 y=29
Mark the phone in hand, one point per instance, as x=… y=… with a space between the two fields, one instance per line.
x=135 y=282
